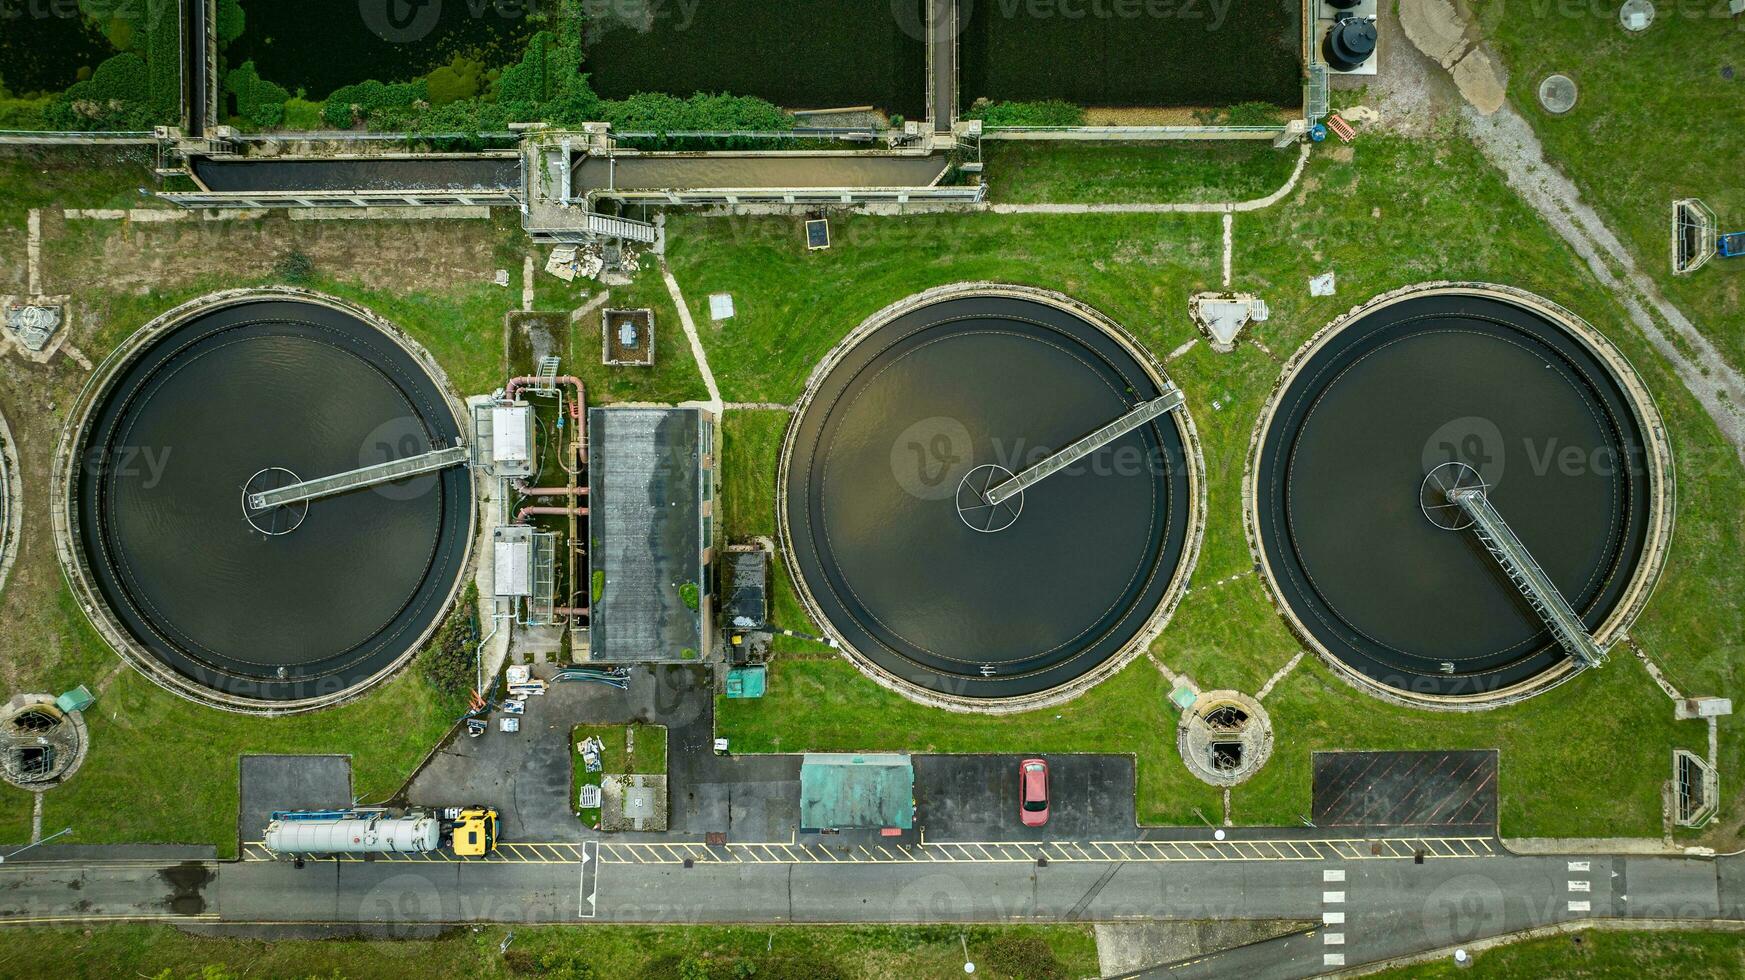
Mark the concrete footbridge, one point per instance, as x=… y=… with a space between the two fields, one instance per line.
x=1465 y=504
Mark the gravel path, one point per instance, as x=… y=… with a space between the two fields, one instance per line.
x=1509 y=142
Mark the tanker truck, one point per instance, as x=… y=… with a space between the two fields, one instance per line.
x=469 y=831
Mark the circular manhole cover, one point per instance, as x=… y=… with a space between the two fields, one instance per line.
x=1557 y=94
x=1636 y=15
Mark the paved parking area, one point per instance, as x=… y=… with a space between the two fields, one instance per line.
x=526 y=774
x=1444 y=790
x=975 y=798
x=289 y=782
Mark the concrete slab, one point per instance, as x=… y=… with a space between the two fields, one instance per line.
x=289 y=782
x=975 y=798
x=1482 y=80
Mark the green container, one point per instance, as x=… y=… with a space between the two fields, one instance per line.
x=746 y=682
x=77 y=699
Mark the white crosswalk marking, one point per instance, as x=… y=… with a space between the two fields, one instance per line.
x=1579 y=865
x=1333 y=898
x=1333 y=874
x=1333 y=938
x=1580 y=886
x=1333 y=959
x=1332 y=918
x=1579 y=907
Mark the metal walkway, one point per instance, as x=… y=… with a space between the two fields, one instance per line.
x=1497 y=537
x=367 y=476
x=1054 y=852
x=1169 y=401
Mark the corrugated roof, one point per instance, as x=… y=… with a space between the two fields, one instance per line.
x=856 y=791
x=645 y=522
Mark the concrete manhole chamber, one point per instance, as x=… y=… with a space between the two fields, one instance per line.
x=262 y=611
x=904 y=428
x=1224 y=737
x=1507 y=391
x=41 y=746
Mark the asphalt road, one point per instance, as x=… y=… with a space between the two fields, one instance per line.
x=1370 y=909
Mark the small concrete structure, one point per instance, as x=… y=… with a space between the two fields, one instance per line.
x=635 y=802
x=1222 y=316
x=1224 y=737
x=35 y=326
x=627 y=338
x=41 y=744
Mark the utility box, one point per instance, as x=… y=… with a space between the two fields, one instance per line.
x=77 y=699
x=747 y=682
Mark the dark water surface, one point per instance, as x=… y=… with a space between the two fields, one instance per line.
x=879 y=455
x=247 y=387
x=1429 y=380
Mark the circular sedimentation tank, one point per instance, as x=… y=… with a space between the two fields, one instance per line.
x=267 y=611
x=884 y=508
x=1456 y=385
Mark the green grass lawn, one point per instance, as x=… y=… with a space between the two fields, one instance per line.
x=600 y=952
x=1587 y=758
x=1655 y=122
x=1022 y=172
x=1599 y=953
x=648 y=758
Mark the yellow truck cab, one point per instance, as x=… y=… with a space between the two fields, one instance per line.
x=475 y=832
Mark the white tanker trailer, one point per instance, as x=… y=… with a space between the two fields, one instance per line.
x=471 y=831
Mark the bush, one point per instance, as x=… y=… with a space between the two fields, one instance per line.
x=295 y=268
x=1053 y=112
x=447 y=663
x=230 y=21
x=354 y=103
x=259 y=101
x=1025 y=956
x=457 y=80
x=116 y=96
x=690 y=595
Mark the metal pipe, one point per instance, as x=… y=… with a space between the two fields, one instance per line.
x=526 y=491
x=521 y=515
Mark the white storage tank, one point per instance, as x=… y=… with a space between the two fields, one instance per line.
x=354 y=835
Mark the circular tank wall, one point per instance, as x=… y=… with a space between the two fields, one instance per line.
x=883 y=485
x=1506 y=389
x=239 y=608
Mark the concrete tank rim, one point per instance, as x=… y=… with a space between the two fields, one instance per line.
x=11 y=502
x=76 y=574
x=1662 y=496
x=1155 y=622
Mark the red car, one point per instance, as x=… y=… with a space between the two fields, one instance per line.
x=1033 y=792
